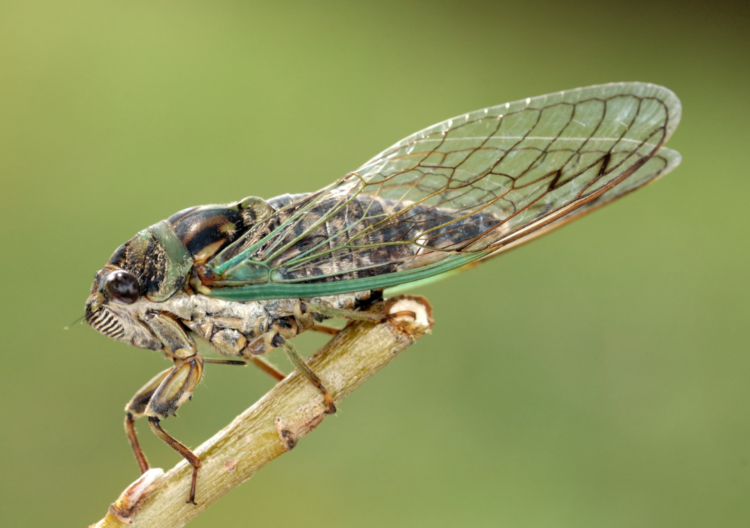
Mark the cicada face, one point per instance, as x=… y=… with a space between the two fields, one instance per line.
x=109 y=308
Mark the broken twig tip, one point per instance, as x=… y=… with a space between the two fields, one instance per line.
x=409 y=309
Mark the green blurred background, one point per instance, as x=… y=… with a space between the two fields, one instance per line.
x=595 y=378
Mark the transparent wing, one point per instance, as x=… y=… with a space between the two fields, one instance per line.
x=462 y=190
x=657 y=166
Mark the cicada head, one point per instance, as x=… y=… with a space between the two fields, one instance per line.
x=150 y=268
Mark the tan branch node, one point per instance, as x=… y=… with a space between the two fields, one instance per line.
x=274 y=424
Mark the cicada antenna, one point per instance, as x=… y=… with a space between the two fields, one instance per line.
x=74 y=322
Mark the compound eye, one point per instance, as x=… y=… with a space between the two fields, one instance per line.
x=122 y=287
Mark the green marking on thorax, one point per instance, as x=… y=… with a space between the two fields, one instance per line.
x=179 y=260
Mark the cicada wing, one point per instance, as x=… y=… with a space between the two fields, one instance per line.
x=659 y=165
x=457 y=191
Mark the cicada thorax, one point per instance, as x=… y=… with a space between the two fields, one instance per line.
x=205 y=230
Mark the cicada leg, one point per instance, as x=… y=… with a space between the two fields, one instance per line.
x=267 y=367
x=136 y=408
x=323 y=329
x=299 y=362
x=188 y=455
x=303 y=313
x=262 y=363
x=231 y=342
x=273 y=339
x=329 y=330
x=140 y=457
x=161 y=397
x=235 y=362
x=305 y=320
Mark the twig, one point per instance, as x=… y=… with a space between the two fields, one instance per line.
x=274 y=424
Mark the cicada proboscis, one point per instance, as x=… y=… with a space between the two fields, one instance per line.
x=248 y=276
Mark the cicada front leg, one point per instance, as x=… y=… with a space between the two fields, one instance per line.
x=188 y=455
x=136 y=408
x=160 y=398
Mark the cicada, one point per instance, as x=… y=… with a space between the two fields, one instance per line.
x=248 y=276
